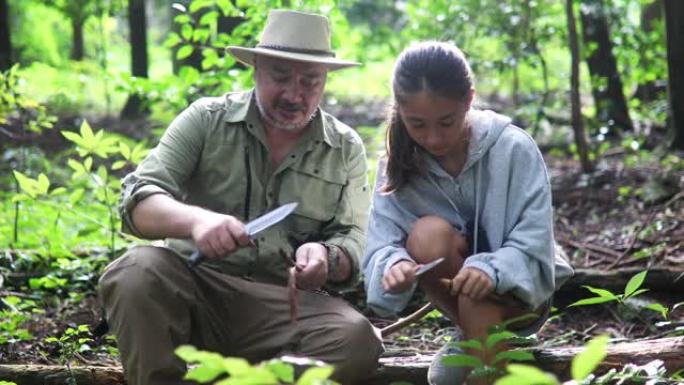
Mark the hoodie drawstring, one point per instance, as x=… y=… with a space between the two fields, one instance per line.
x=477 y=206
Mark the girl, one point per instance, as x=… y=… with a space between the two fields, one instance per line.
x=466 y=185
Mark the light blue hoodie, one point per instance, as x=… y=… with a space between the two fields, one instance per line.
x=504 y=188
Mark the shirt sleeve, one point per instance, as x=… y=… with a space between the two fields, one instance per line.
x=347 y=229
x=386 y=247
x=167 y=168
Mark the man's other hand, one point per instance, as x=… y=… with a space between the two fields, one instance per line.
x=312 y=265
x=217 y=235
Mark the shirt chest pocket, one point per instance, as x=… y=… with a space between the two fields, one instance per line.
x=318 y=193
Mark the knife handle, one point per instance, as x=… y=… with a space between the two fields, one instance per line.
x=195 y=259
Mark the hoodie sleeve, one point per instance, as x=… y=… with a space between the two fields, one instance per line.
x=518 y=187
x=385 y=247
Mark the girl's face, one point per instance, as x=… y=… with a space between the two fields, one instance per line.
x=436 y=123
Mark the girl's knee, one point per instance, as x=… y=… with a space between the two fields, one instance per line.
x=433 y=237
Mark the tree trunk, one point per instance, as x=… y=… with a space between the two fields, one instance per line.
x=606 y=85
x=77 y=39
x=5 y=41
x=674 y=25
x=577 y=124
x=137 y=23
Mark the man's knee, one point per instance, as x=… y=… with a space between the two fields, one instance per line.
x=135 y=272
x=361 y=351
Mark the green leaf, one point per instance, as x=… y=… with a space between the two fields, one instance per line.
x=495 y=338
x=118 y=165
x=196 y=5
x=43 y=184
x=182 y=19
x=315 y=375
x=88 y=164
x=58 y=191
x=87 y=133
x=634 y=283
x=462 y=360
x=124 y=150
x=282 y=370
x=658 y=308
x=186 y=31
x=74 y=137
x=235 y=366
x=592 y=301
x=172 y=40
x=203 y=373
x=184 y=51
x=209 y=18
x=526 y=375
x=586 y=361
x=601 y=292
x=513 y=355
x=26 y=184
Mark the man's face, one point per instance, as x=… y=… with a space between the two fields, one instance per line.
x=288 y=92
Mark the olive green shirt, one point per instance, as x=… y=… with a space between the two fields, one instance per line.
x=215 y=155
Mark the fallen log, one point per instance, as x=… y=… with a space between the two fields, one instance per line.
x=411 y=368
x=555 y=360
x=58 y=375
x=658 y=278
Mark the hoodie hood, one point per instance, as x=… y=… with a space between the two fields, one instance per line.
x=487 y=126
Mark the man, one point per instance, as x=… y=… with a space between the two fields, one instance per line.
x=221 y=163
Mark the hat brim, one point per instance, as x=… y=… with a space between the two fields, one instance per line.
x=246 y=56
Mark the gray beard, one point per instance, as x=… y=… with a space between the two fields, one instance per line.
x=272 y=121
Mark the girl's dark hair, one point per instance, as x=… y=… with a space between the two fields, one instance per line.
x=437 y=67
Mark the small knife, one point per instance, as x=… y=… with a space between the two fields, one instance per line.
x=253 y=227
x=428 y=266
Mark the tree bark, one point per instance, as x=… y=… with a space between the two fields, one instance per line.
x=577 y=124
x=137 y=23
x=606 y=85
x=674 y=25
x=5 y=41
x=58 y=375
x=77 y=39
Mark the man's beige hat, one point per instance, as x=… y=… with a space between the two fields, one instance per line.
x=296 y=36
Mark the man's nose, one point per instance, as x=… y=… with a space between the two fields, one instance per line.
x=293 y=92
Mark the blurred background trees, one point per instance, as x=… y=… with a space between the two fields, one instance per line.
x=150 y=58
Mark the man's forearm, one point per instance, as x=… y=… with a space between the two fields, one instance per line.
x=160 y=216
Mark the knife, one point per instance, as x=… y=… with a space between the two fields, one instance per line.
x=428 y=266
x=253 y=227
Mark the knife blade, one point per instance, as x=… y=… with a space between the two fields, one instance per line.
x=428 y=266
x=253 y=227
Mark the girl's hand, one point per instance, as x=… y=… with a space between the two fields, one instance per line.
x=472 y=283
x=400 y=277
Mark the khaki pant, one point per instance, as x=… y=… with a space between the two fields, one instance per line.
x=154 y=303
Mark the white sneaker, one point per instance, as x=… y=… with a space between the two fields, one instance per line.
x=440 y=374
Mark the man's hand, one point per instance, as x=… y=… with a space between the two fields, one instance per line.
x=472 y=283
x=312 y=265
x=218 y=235
x=400 y=277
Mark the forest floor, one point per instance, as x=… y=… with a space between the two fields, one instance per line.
x=618 y=216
